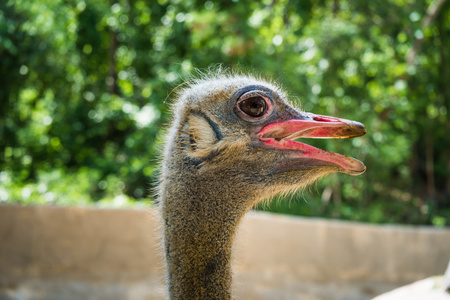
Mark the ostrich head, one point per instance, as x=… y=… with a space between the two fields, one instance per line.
x=243 y=129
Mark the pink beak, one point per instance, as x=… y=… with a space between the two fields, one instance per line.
x=281 y=135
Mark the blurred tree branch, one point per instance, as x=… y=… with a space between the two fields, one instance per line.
x=431 y=15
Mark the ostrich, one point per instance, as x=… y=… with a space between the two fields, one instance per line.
x=230 y=145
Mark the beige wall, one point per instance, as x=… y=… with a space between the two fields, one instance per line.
x=77 y=253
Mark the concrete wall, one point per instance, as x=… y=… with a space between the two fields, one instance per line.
x=77 y=253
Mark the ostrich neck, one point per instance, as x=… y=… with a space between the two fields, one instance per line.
x=198 y=237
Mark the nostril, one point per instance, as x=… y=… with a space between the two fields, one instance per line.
x=324 y=119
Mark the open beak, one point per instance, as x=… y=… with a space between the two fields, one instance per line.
x=281 y=136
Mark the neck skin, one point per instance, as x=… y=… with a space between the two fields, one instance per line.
x=198 y=237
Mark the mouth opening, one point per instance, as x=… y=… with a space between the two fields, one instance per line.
x=282 y=136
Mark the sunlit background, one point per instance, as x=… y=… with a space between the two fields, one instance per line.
x=85 y=87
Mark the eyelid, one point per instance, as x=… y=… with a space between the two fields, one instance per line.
x=254 y=93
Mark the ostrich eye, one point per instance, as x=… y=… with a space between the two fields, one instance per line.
x=253 y=106
x=253 y=103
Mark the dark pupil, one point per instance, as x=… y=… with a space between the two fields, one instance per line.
x=254 y=107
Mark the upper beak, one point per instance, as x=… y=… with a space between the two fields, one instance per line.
x=314 y=126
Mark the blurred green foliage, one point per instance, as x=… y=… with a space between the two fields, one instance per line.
x=84 y=84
